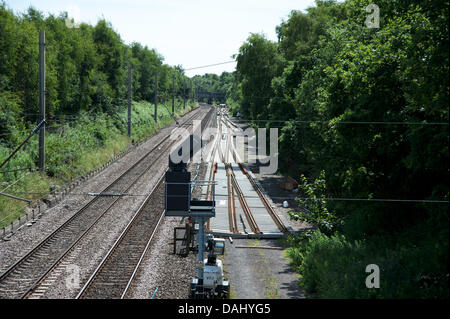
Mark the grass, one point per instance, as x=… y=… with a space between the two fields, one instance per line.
x=30 y=184
x=225 y=277
x=272 y=291
x=73 y=149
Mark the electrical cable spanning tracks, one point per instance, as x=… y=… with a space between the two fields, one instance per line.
x=25 y=275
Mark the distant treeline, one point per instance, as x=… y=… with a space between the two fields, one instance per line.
x=213 y=88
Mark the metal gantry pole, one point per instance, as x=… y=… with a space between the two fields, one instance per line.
x=173 y=93
x=42 y=100
x=190 y=92
x=156 y=96
x=129 y=100
x=201 y=247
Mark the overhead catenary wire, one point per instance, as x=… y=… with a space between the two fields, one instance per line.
x=341 y=199
x=74 y=117
x=368 y=199
x=209 y=65
x=330 y=122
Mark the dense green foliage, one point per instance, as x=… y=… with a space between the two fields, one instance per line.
x=363 y=114
x=86 y=69
x=86 y=104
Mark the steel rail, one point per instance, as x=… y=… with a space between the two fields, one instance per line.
x=231 y=203
x=230 y=212
x=245 y=207
x=66 y=225
x=233 y=186
x=233 y=212
x=265 y=201
x=263 y=198
x=212 y=174
x=142 y=257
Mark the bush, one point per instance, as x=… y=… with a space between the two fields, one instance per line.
x=315 y=205
x=333 y=267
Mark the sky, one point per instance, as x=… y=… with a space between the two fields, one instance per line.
x=190 y=33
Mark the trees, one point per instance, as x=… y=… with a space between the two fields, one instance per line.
x=369 y=107
x=258 y=62
x=212 y=88
x=86 y=90
x=86 y=66
x=86 y=74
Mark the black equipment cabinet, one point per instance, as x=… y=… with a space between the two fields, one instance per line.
x=178 y=192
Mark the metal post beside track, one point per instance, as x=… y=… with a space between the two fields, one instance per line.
x=184 y=94
x=201 y=246
x=129 y=100
x=156 y=96
x=173 y=93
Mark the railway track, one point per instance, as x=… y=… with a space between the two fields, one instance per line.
x=230 y=186
x=231 y=205
x=25 y=275
x=265 y=201
x=114 y=275
x=212 y=171
x=234 y=189
x=247 y=211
